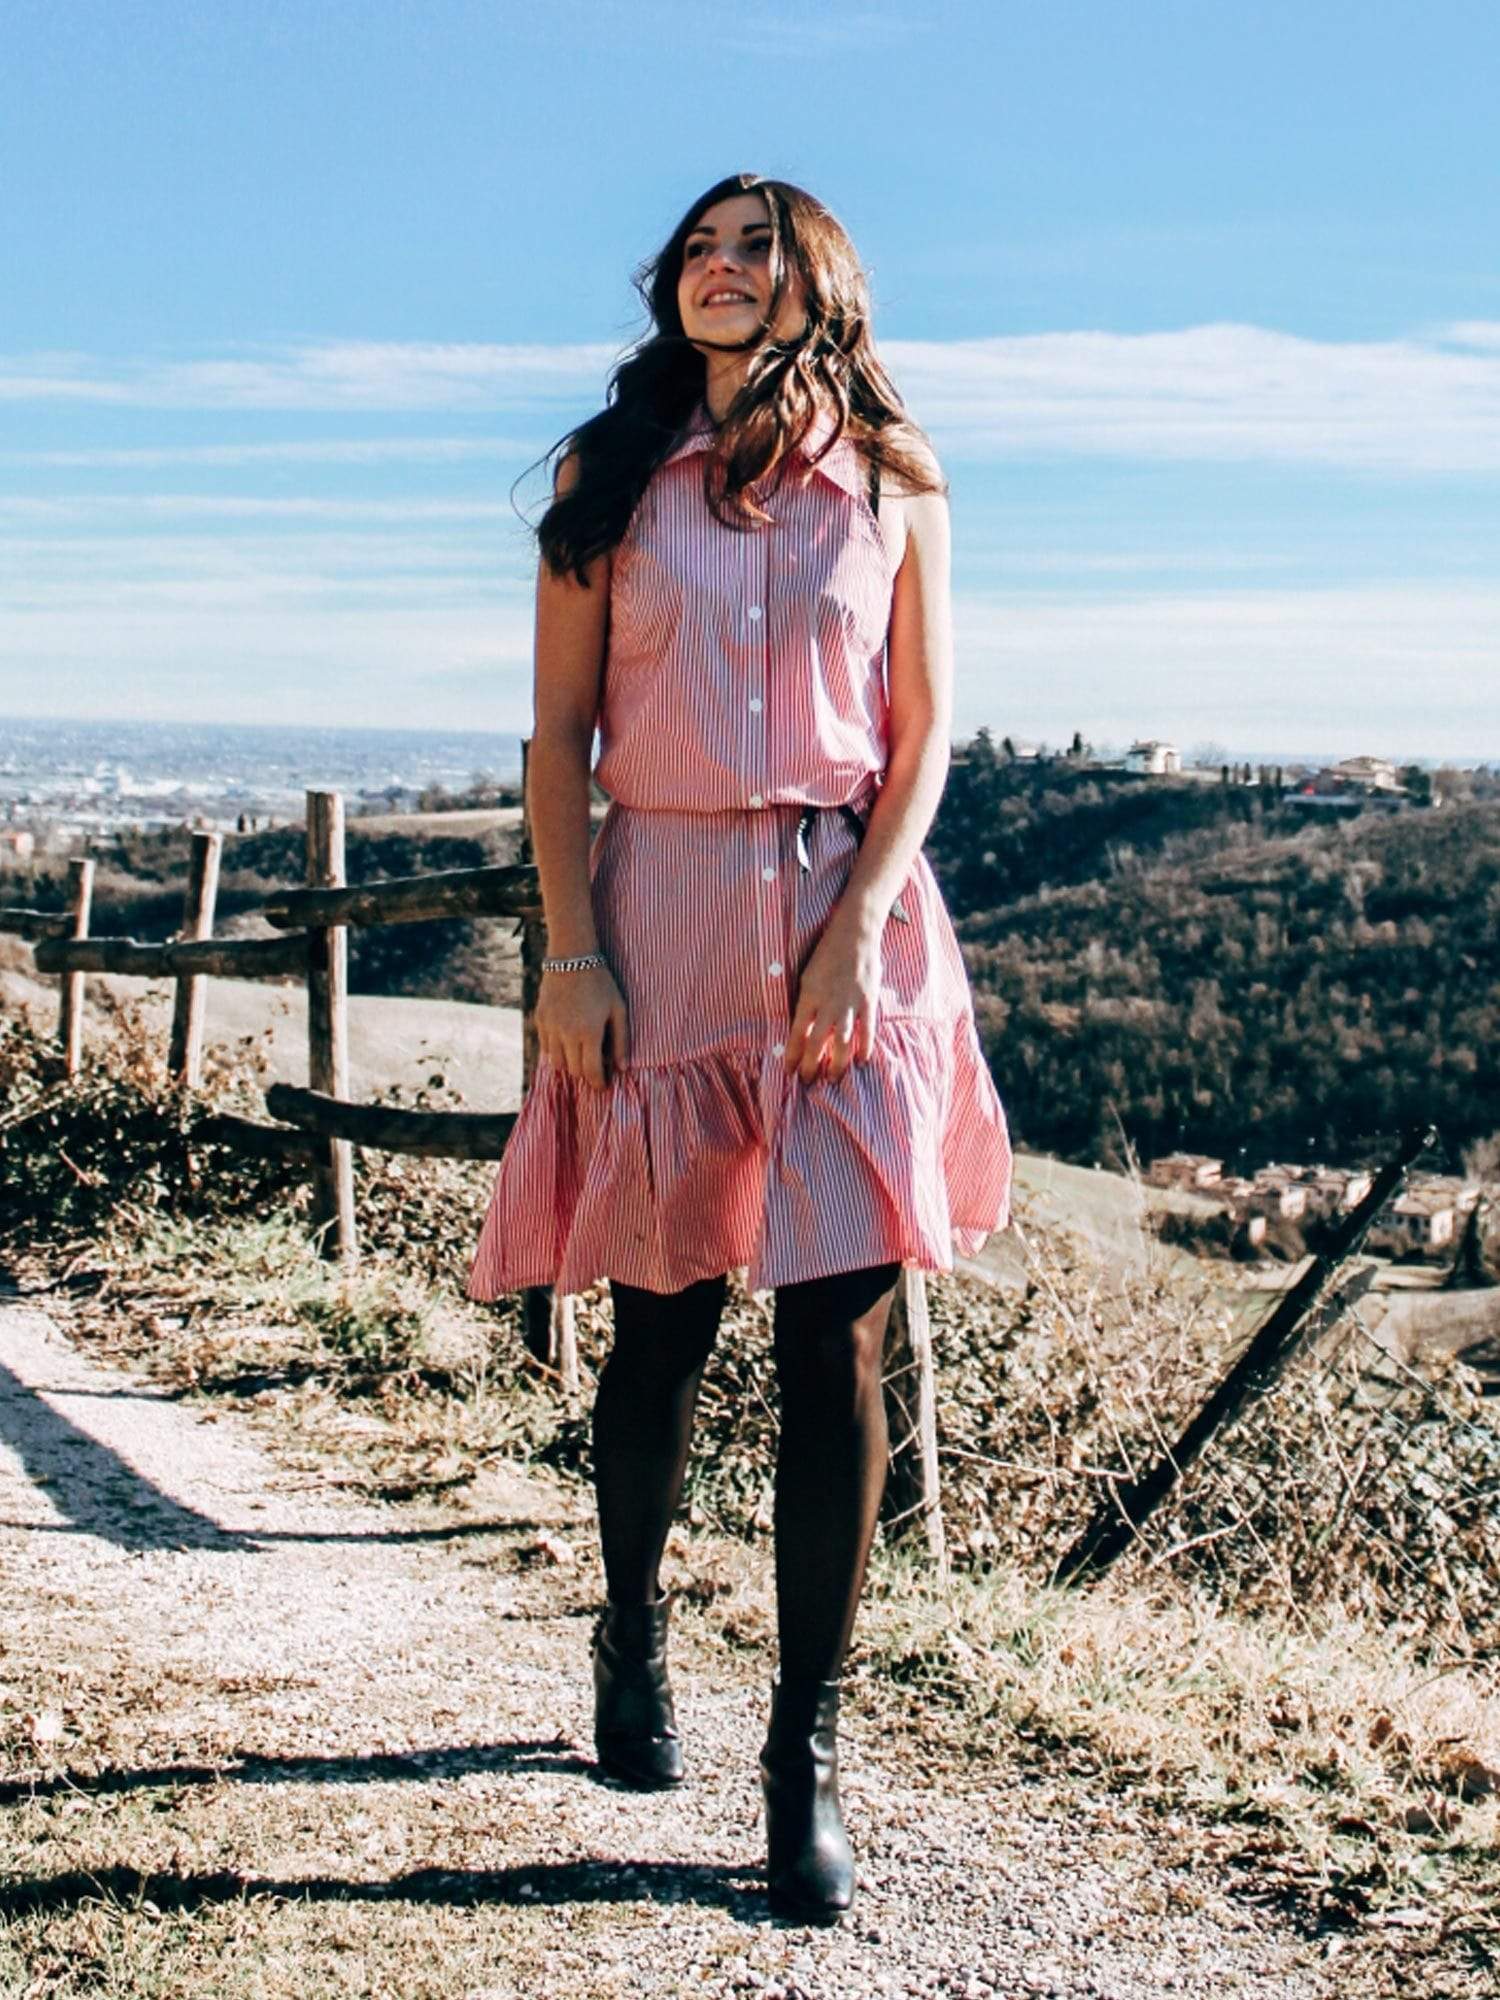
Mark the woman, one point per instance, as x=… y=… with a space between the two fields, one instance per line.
x=756 y=1038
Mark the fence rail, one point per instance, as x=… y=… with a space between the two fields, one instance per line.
x=319 y=1124
x=410 y=899
x=179 y=958
x=450 y=1135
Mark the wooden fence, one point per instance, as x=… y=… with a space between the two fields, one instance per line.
x=318 y=1125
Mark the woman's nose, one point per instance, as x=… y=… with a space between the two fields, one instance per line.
x=726 y=259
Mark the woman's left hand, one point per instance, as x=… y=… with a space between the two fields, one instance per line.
x=838 y=998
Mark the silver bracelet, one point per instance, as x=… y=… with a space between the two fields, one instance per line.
x=573 y=964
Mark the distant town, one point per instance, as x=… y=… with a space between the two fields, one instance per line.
x=66 y=788
x=1423 y=1222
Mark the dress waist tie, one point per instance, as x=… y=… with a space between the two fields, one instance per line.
x=804 y=859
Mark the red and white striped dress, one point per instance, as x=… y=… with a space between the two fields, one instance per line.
x=744 y=682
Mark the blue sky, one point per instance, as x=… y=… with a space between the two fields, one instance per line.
x=1200 y=305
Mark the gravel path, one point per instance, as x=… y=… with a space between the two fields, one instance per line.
x=230 y=1686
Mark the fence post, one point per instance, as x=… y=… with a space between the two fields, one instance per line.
x=913 y=1486
x=70 y=1013
x=328 y=1027
x=185 y=1053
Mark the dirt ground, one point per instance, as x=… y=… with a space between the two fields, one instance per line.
x=261 y=1736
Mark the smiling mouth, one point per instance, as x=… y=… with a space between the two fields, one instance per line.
x=716 y=305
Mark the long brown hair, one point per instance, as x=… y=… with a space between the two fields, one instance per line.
x=653 y=390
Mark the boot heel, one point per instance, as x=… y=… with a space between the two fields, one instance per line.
x=635 y=1725
x=809 y=1864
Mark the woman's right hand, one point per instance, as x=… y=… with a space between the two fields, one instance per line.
x=577 y=1014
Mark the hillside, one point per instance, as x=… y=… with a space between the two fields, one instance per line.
x=1210 y=970
x=1202 y=966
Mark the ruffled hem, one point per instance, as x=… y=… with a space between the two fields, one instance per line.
x=675 y=1172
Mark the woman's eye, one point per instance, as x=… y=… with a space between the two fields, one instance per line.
x=756 y=249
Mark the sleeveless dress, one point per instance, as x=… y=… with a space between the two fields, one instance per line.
x=744 y=735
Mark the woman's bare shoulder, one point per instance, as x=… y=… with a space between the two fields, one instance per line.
x=901 y=502
x=913 y=444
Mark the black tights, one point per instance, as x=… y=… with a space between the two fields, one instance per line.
x=830 y=1460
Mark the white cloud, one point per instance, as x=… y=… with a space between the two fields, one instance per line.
x=99 y=574
x=1165 y=559
x=1429 y=402
x=1393 y=670
x=288 y=451
x=329 y=375
x=366 y=626
x=1222 y=392
x=222 y=657
x=325 y=603
x=129 y=507
x=1481 y=333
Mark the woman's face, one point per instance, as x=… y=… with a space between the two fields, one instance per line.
x=724 y=290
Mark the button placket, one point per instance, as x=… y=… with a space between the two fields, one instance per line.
x=753 y=639
x=771 y=931
x=776 y=943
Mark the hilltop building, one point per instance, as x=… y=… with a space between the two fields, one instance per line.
x=1278 y=1191
x=1418 y=1221
x=1332 y=1190
x=1461 y=1194
x=1150 y=759
x=1194 y=1173
x=1357 y=785
x=1373 y=774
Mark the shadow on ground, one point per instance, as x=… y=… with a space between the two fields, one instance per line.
x=738 y=1889
x=99 y=1492
x=454 y=1760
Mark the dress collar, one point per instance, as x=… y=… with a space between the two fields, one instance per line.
x=842 y=465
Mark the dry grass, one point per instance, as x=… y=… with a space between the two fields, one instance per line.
x=1376 y=1777
x=1308 y=1744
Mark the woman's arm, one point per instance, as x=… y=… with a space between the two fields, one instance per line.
x=574 y=1009
x=920 y=681
x=837 y=995
x=571 y=627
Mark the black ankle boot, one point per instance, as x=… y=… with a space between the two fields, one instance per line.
x=809 y=1866
x=635 y=1729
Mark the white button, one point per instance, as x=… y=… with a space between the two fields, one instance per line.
x=774 y=966
x=756 y=799
x=755 y=704
x=768 y=874
x=753 y=612
x=778 y=1048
